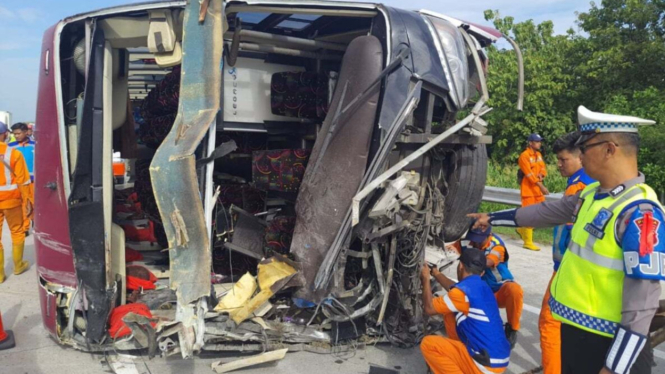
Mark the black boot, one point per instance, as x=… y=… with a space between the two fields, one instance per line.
x=511 y=335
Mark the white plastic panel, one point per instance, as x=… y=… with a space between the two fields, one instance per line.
x=247 y=91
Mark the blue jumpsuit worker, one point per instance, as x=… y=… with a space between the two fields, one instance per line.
x=607 y=288
x=476 y=342
x=26 y=146
x=508 y=293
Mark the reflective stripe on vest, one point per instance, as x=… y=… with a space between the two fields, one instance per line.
x=494 y=270
x=8 y=186
x=587 y=289
x=498 y=277
x=579 y=318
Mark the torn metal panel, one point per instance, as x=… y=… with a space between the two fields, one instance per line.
x=325 y=271
x=441 y=259
x=248 y=232
x=173 y=169
x=174 y=175
x=57 y=276
x=142 y=331
x=325 y=192
x=192 y=328
x=86 y=208
x=266 y=331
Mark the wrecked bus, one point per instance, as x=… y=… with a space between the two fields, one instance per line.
x=286 y=168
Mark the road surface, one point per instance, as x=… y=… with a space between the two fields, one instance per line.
x=37 y=353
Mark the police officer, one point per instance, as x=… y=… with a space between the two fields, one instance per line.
x=607 y=287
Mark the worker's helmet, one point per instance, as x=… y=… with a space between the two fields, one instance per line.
x=478 y=235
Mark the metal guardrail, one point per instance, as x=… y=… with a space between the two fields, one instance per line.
x=511 y=196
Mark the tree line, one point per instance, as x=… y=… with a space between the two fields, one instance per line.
x=614 y=63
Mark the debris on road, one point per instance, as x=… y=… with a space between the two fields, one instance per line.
x=263 y=358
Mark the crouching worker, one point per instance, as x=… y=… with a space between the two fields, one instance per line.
x=508 y=293
x=476 y=342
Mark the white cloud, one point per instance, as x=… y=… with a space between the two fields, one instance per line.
x=30 y=15
x=10 y=46
x=6 y=13
x=14 y=38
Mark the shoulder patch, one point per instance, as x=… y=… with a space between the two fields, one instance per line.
x=617 y=190
x=644 y=251
x=647 y=229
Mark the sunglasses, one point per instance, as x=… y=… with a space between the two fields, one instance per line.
x=585 y=147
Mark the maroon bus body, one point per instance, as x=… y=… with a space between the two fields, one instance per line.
x=55 y=262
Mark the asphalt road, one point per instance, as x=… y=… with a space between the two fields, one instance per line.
x=37 y=353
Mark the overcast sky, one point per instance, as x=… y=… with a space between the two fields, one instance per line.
x=22 y=24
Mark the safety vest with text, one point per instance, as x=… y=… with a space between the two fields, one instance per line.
x=587 y=289
x=481 y=329
x=496 y=276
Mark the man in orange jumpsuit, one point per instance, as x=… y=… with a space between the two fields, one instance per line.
x=14 y=191
x=569 y=162
x=532 y=173
x=476 y=342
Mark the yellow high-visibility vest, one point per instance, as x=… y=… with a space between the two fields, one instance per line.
x=588 y=288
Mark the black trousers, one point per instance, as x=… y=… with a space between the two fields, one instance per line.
x=583 y=352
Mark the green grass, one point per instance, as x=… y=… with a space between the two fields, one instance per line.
x=506 y=176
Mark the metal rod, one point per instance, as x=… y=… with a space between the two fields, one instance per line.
x=289 y=41
x=378 y=267
x=389 y=279
x=287 y=51
x=520 y=73
x=235 y=44
x=476 y=60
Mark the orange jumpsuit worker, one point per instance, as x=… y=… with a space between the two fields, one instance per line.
x=14 y=190
x=532 y=189
x=508 y=293
x=26 y=146
x=569 y=162
x=476 y=342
